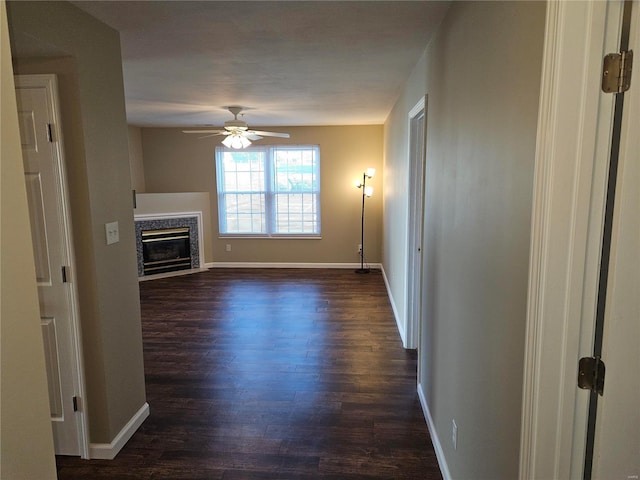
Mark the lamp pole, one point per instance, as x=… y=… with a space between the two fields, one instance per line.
x=366 y=192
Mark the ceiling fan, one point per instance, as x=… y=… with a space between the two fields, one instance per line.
x=237 y=132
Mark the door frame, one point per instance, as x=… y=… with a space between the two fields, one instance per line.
x=50 y=83
x=415 y=230
x=572 y=153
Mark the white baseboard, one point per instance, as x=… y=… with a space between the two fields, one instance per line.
x=437 y=446
x=108 y=451
x=373 y=266
x=401 y=329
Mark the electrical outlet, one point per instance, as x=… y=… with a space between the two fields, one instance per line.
x=359 y=250
x=228 y=247
x=454 y=434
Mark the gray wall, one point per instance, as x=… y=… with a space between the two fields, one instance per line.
x=483 y=70
x=176 y=162
x=396 y=180
x=86 y=56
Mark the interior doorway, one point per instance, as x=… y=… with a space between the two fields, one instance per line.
x=415 y=223
x=44 y=170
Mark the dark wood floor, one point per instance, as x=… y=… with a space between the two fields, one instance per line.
x=272 y=374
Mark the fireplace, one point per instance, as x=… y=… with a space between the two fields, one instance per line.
x=159 y=243
x=166 y=250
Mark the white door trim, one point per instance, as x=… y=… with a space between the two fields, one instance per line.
x=572 y=146
x=49 y=81
x=415 y=208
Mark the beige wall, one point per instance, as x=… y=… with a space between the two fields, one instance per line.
x=483 y=71
x=25 y=425
x=96 y=151
x=176 y=162
x=136 y=160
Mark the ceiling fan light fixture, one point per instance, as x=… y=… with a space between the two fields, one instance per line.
x=237 y=132
x=236 y=141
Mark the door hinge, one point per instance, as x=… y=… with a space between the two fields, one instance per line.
x=49 y=133
x=65 y=276
x=75 y=403
x=591 y=374
x=616 y=72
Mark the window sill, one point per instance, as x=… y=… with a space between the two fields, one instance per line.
x=272 y=237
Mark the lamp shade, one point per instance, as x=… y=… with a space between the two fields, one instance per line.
x=370 y=172
x=368 y=191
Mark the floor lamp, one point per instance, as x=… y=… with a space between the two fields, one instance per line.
x=366 y=192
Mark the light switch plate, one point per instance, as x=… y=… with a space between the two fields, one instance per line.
x=113 y=233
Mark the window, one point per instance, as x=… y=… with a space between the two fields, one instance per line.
x=269 y=191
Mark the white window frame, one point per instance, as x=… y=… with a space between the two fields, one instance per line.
x=270 y=192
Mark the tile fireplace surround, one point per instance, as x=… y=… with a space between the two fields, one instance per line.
x=155 y=222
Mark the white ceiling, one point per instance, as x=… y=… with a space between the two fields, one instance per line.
x=287 y=63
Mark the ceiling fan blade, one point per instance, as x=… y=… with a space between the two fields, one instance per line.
x=269 y=134
x=210 y=135
x=252 y=136
x=214 y=132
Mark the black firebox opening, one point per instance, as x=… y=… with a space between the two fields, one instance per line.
x=166 y=250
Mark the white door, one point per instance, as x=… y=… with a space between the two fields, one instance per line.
x=617 y=428
x=417 y=129
x=45 y=179
x=572 y=159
